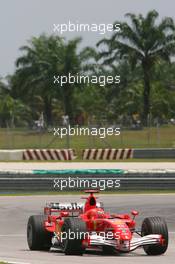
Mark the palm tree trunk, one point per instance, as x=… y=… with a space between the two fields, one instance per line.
x=68 y=102
x=48 y=110
x=146 y=96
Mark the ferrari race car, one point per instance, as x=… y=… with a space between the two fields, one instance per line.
x=75 y=227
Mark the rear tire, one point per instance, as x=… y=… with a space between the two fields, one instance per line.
x=155 y=225
x=73 y=231
x=37 y=237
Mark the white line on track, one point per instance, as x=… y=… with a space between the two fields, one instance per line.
x=12 y=235
x=14 y=262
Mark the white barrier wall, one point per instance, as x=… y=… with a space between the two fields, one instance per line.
x=11 y=154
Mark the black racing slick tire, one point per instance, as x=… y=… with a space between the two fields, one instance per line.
x=108 y=250
x=155 y=225
x=37 y=237
x=73 y=232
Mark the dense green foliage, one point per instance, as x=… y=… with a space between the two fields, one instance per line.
x=140 y=53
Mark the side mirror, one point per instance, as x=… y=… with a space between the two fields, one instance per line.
x=134 y=213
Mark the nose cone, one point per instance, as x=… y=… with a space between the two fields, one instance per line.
x=125 y=235
x=122 y=231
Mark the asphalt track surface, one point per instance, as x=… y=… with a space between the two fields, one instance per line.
x=14 y=213
x=21 y=166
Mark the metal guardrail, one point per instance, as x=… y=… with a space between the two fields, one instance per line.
x=128 y=181
x=154 y=153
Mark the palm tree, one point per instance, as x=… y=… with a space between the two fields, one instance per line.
x=35 y=69
x=142 y=42
x=43 y=58
x=70 y=63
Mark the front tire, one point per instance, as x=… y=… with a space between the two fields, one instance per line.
x=108 y=250
x=155 y=225
x=37 y=237
x=73 y=232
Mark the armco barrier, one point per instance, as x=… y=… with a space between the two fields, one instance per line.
x=37 y=154
x=107 y=154
x=129 y=180
x=154 y=153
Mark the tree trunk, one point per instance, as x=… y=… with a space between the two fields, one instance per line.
x=48 y=111
x=146 y=96
x=67 y=94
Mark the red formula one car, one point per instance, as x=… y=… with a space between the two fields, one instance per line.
x=74 y=227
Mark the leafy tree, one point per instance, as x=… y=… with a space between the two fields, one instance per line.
x=142 y=42
x=12 y=112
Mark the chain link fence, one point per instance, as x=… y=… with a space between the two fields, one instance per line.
x=129 y=137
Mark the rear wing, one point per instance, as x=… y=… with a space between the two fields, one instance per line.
x=67 y=207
